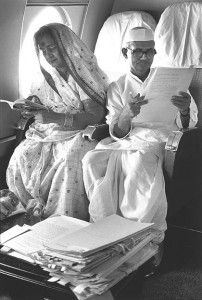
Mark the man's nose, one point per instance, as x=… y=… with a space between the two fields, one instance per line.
x=144 y=56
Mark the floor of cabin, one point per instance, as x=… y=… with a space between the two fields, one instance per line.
x=179 y=276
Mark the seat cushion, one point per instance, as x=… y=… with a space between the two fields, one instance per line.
x=111 y=39
x=178 y=36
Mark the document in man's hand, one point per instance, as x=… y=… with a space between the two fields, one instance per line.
x=97 y=236
x=158 y=88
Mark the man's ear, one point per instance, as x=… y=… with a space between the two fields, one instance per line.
x=124 y=52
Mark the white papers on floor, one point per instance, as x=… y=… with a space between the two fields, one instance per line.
x=41 y=233
x=97 y=235
x=13 y=232
x=90 y=258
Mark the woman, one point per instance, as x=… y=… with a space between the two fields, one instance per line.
x=45 y=170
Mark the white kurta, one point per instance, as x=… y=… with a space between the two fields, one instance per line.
x=125 y=176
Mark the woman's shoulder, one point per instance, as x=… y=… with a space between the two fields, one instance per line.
x=38 y=86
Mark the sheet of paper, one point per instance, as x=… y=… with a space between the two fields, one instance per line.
x=43 y=232
x=98 y=235
x=13 y=232
x=108 y=267
x=162 y=84
x=21 y=256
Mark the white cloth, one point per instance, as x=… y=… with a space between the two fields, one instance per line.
x=178 y=36
x=47 y=164
x=125 y=176
x=139 y=34
x=112 y=38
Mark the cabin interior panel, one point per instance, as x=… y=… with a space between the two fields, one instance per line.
x=11 y=16
x=97 y=12
x=154 y=7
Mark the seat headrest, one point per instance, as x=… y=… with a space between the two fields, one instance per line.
x=111 y=40
x=178 y=36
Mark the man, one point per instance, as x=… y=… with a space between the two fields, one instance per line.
x=124 y=174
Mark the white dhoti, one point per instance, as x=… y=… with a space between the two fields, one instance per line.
x=120 y=178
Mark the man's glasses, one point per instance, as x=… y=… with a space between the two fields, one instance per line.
x=138 y=53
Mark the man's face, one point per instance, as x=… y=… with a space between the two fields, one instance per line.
x=140 y=56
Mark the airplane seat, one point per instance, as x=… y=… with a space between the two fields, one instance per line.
x=178 y=43
x=111 y=39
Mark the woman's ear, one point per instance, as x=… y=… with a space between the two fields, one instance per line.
x=124 y=52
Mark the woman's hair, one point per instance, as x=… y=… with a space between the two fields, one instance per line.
x=45 y=30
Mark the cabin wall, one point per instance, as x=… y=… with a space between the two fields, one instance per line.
x=97 y=12
x=154 y=7
x=11 y=17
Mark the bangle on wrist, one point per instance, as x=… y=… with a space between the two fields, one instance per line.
x=68 y=121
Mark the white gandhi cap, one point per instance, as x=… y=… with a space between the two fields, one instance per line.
x=138 y=34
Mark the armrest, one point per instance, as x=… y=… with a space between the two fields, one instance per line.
x=96 y=132
x=170 y=151
x=171 y=148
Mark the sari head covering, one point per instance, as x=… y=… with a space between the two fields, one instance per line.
x=80 y=61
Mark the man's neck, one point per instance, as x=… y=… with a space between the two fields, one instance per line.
x=142 y=77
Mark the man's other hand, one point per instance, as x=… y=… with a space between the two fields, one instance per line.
x=182 y=102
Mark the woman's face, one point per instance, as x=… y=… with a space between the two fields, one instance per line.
x=50 y=51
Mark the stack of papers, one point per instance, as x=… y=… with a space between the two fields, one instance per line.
x=89 y=257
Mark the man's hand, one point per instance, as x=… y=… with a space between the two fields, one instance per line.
x=182 y=102
x=130 y=110
x=133 y=107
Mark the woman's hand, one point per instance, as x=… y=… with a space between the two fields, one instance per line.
x=8 y=203
x=46 y=116
x=34 y=210
x=182 y=102
x=40 y=112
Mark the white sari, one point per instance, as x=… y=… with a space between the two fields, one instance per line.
x=47 y=164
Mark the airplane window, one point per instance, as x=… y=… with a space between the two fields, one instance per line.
x=34 y=18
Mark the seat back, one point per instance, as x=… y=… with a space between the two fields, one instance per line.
x=112 y=37
x=178 y=40
x=196 y=92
